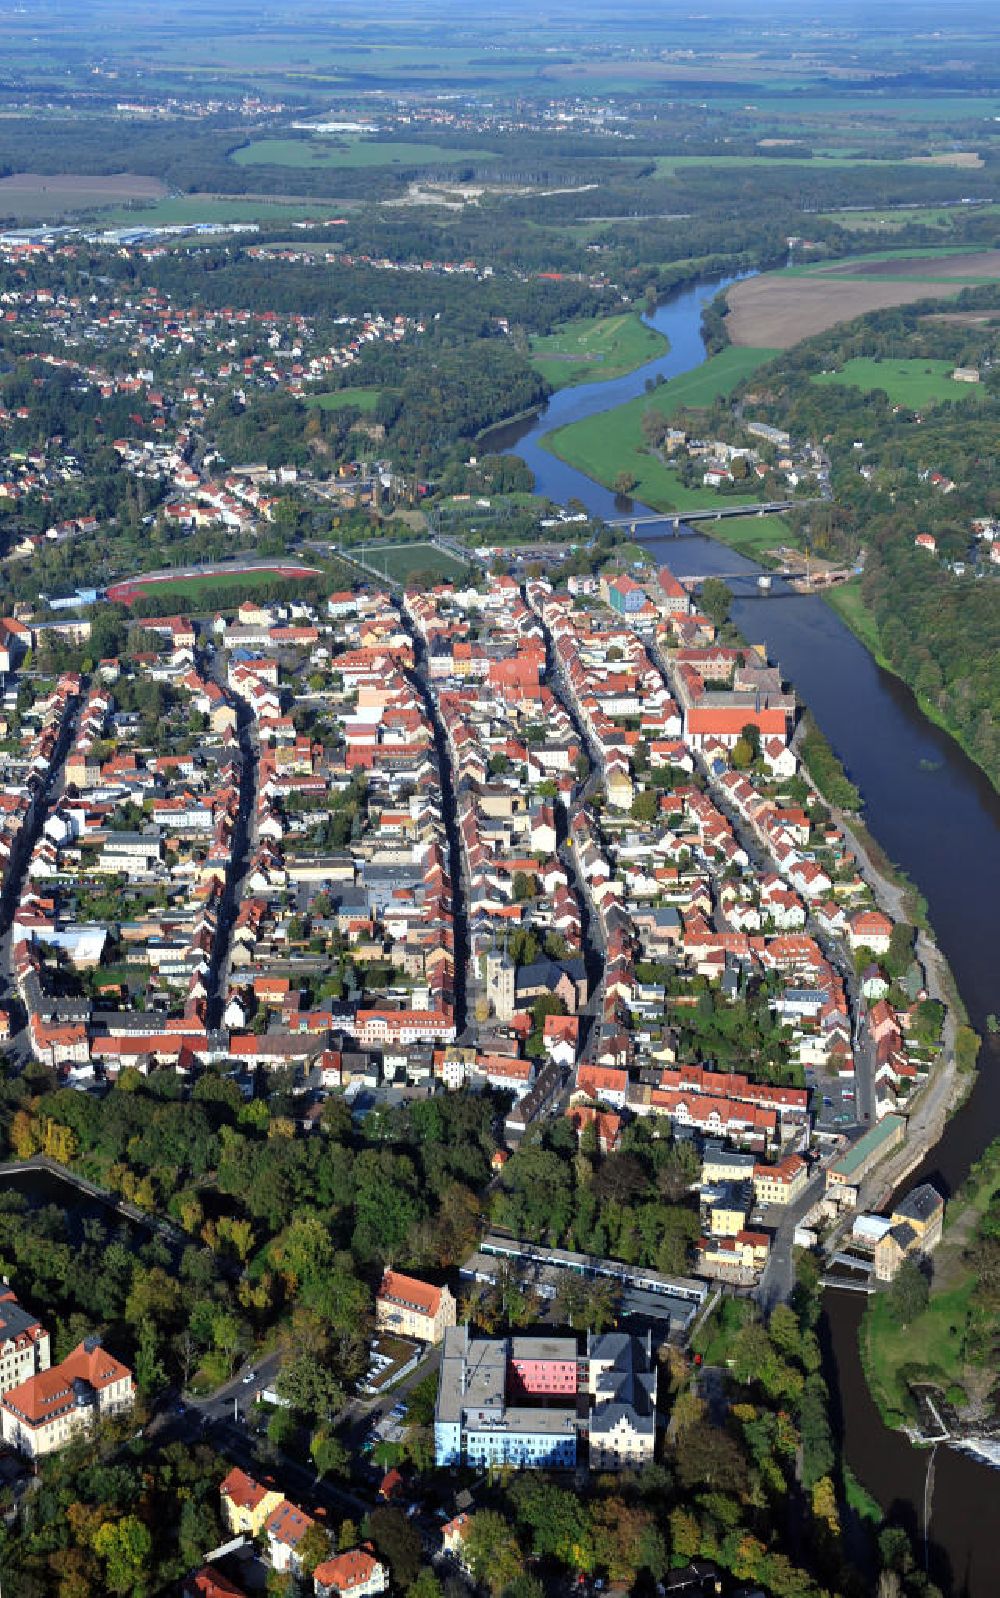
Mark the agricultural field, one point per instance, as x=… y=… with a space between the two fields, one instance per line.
x=914 y=383
x=362 y=399
x=894 y=218
x=595 y=348
x=668 y=165
x=353 y=152
x=778 y=309
x=189 y=209
x=612 y=442
x=839 y=110
x=41 y=196
x=929 y=263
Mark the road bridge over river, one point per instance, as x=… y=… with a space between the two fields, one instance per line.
x=675 y=521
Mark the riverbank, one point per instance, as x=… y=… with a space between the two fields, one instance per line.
x=934 y=814
x=846 y=601
x=596 y=349
x=610 y=446
x=530 y=415
x=947 y=1346
x=949 y=1085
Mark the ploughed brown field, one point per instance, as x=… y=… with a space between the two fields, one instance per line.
x=984 y=263
x=38 y=195
x=777 y=310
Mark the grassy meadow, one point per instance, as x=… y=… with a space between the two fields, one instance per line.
x=593 y=349
x=612 y=442
x=917 y=384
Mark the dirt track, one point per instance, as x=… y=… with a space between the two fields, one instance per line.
x=774 y=311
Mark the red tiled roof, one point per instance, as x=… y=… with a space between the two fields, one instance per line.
x=408 y=1290
x=49 y=1393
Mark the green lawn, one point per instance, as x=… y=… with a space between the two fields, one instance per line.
x=595 y=348
x=715 y=1334
x=752 y=536
x=933 y=1343
x=612 y=441
x=402 y=560
x=846 y=601
x=362 y=399
x=350 y=152
x=914 y=383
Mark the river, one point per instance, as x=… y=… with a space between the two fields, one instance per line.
x=937 y=816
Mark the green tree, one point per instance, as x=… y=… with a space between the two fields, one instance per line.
x=715 y=599
x=309 y=1385
x=645 y=805
x=741 y=755
x=750 y=735
x=492 y=1551
x=710 y=1458
x=426 y=1585
x=967 y=1045
x=818 y=1456
x=313 y=1548
x=329 y=1455
x=398 y=1541
x=125 y=1546
x=908 y=1293
x=149 y=1372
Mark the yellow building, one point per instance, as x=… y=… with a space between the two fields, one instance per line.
x=739 y=1259
x=782 y=1183
x=726 y=1206
x=917 y=1223
x=246 y=1504
x=411 y=1308
x=620 y=788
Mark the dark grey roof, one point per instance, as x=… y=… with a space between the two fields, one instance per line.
x=546 y=973
x=921 y=1204
x=14 y=1320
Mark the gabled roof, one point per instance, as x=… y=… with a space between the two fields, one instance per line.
x=410 y=1292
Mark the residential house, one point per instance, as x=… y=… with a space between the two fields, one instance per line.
x=246 y=1503
x=354 y=1574
x=412 y=1308
x=24 y=1344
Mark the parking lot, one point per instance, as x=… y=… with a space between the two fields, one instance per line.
x=834 y=1101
